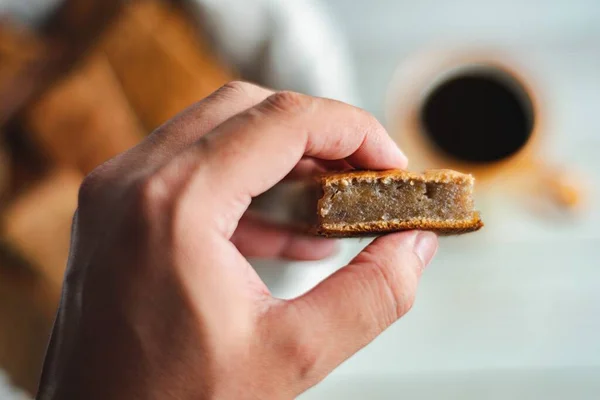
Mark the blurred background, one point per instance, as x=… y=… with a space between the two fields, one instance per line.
x=507 y=90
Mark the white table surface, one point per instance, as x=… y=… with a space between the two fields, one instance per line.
x=512 y=311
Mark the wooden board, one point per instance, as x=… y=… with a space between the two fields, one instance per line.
x=161 y=60
x=63 y=40
x=37 y=224
x=85 y=118
x=26 y=315
x=21 y=55
x=4 y=172
x=19 y=47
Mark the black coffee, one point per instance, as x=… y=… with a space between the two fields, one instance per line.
x=478 y=117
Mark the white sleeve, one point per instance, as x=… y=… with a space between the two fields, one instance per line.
x=30 y=12
x=284 y=44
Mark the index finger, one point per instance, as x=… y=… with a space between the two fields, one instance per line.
x=254 y=150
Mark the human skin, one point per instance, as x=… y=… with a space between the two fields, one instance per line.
x=159 y=300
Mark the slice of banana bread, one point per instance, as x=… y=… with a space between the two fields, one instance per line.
x=375 y=202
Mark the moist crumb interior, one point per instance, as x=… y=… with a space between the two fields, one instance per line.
x=356 y=200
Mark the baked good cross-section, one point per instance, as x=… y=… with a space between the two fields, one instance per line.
x=360 y=203
x=372 y=203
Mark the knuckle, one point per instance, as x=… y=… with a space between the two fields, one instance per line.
x=371 y=122
x=302 y=353
x=152 y=194
x=393 y=289
x=287 y=101
x=236 y=88
x=405 y=301
x=298 y=352
x=88 y=189
x=372 y=128
x=339 y=144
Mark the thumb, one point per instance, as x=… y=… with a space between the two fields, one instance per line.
x=354 y=305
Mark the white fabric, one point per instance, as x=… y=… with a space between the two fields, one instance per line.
x=8 y=391
x=28 y=11
x=286 y=44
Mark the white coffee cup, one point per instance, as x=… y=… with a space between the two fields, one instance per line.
x=524 y=170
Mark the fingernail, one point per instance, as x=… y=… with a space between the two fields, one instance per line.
x=425 y=246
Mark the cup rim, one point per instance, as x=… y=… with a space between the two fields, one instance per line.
x=423 y=71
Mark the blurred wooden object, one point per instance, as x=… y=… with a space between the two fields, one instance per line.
x=84 y=119
x=61 y=43
x=19 y=50
x=37 y=224
x=4 y=172
x=25 y=163
x=26 y=315
x=161 y=60
x=21 y=54
x=79 y=22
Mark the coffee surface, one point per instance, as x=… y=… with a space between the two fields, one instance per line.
x=478 y=117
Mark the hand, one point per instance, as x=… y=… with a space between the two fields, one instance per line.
x=158 y=299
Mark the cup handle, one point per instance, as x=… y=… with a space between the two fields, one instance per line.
x=563 y=186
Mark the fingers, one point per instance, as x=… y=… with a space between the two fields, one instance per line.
x=202 y=117
x=183 y=130
x=350 y=308
x=257 y=148
x=254 y=150
x=256 y=238
x=309 y=166
x=305 y=168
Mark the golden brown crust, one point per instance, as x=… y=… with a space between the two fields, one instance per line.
x=432 y=175
x=443 y=228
